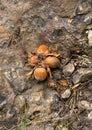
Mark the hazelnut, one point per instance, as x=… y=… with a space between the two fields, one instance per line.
x=40 y=73
x=52 y=62
x=33 y=60
x=43 y=49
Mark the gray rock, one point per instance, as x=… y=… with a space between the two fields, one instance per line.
x=20 y=102
x=85 y=105
x=90 y=37
x=88 y=19
x=81 y=75
x=68 y=69
x=64 y=128
x=90 y=116
x=66 y=94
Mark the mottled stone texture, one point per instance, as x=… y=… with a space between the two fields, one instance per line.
x=65 y=26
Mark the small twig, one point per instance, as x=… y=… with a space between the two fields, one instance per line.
x=76 y=86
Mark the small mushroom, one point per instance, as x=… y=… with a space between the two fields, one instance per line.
x=40 y=74
x=52 y=62
x=43 y=50
x=33 y=60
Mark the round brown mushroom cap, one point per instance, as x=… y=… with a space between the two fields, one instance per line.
x=40 y=74
x=52 y=62
x=43 y=49
x=33 y=60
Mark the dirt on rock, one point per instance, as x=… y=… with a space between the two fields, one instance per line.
x=63 y=101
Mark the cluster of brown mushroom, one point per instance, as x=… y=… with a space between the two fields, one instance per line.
x=42 y=61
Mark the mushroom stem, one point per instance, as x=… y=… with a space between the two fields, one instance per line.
x=49 y=71
x=28 y=75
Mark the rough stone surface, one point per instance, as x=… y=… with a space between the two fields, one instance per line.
x=82 y=75
x=20 y=102
x=65 y=27
x=66 y=94
x=68 y=69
